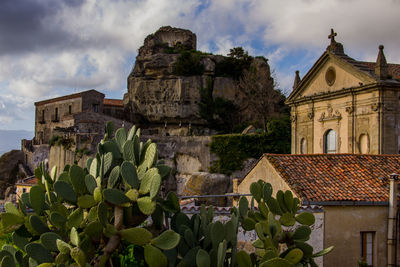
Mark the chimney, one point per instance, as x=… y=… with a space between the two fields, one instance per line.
x=297 y=80
x=381 y=66
x=391 y=231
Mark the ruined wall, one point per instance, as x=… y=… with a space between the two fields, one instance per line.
x=33 y=153
x=59 y=156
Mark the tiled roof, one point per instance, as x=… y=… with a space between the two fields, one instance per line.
x=337 y=177
x=394 y=69
x=113 y=102
x=30 y=181
x=66 y=97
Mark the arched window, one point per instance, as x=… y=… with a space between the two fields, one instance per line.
x=330 y=142
x=364 y=144
x=303 y=146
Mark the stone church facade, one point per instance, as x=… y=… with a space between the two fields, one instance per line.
x=346 y=106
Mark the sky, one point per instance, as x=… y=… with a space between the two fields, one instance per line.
x=51 y=48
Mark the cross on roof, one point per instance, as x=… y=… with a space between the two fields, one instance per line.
x=332 y=36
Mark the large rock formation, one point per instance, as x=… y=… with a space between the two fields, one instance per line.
x=10 y=170
x=156 y=94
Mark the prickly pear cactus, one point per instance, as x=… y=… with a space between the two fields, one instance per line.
x=282 y=233
x=205 y=243
x=84 y=215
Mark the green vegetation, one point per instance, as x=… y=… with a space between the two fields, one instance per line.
x=100 y=216
x=282 y=232
x=189 y=64
x=85 y=215
x=233 y=149
x=79 y=153
x=233 y=66
x=220 y=114
x=57 y=140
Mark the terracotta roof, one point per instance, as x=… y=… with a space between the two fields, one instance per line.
x=28 y=181
x=113 y=102
x=337 y=177
x=394 y=69
x=66 y=97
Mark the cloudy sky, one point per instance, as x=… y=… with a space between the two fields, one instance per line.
x=50 y=48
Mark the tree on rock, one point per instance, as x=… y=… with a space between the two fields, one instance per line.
x=263 y=100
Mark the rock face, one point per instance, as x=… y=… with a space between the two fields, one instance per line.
x=203 y=183
x=156 y=95
x=9 y=169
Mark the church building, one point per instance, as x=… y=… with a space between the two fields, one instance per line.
x=346 y=106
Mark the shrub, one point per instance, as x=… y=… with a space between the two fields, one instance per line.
x=233 y=65
x=188 y=64
x=57 y=140
x=233 y=149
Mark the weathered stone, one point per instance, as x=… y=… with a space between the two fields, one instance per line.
x=203 y=183
x=187 y=164
x=9 y=169
x=173 y=99
x=226 y=88
x=155 y=43
x=209 y=65
x=156 y=95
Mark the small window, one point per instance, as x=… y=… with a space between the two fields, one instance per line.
x=367 y=247
x=43 y=115
x=56 y=114
x=303 y=146
x=96 y=107
x=23 y=190
x=330 y=142
x=70 y=109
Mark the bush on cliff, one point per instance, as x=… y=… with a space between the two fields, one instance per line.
x=189 y=64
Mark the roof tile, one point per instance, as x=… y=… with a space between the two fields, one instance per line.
x=334 y=177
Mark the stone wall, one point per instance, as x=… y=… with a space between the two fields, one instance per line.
x=34 y=154
x=94 y=123
x=343 y=228
x=60 y=112
x=59 y=156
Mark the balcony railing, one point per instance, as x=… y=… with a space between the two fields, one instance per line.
x=55 y=118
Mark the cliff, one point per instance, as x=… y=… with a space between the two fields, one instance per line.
x=171 y=80
x=11 y=168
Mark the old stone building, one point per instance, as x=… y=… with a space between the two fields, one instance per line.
x=346 y=106
x=60 y=112
x=78 y=120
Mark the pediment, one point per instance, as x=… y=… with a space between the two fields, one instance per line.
x=329 y=74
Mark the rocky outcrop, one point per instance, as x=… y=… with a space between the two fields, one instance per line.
x=157 y=95
x=167 y=36
x=10 y=169
x=203 y=183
